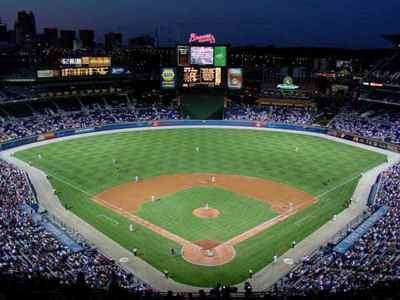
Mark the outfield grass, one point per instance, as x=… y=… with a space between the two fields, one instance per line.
x=174 y=213
x=82 y=167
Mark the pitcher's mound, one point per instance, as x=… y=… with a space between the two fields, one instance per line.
x=208 y=253
x=203 y=212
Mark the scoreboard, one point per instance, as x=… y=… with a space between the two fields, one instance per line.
x=205 y=77
x=86 y=66
x=202 y=66
x=197 y=66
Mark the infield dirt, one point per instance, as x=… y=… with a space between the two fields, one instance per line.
x=132 y=195
x=126 y=199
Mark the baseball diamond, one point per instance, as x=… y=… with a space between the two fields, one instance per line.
x=157 y=151
x=262 y=191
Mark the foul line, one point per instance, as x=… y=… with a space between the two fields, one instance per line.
x=109 y=219
x=69 y=184
x=337 y=186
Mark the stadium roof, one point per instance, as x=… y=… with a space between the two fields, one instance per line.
x=386 y=71
x=394 y=38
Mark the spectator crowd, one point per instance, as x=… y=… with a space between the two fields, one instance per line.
x=274 y=114
x=369 y=122
x=373 y=259
x=48 y=121
x=29 y=251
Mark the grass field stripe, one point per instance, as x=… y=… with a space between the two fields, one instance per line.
x=259 y=228
x=70 y=184
x=108 y=219
x=358 y=175
x=301 y=221
x=338 y=186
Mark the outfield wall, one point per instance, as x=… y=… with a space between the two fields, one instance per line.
x=367 y=141
x=222 y=123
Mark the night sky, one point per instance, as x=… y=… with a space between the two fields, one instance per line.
x=335 y=23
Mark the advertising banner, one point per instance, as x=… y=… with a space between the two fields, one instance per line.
x=168 y=78
x=46 y=136
x=235 y=78
x=47 y=73
x=220 y=56
x=365 y=141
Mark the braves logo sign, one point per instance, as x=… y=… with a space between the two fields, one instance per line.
x=205 y=38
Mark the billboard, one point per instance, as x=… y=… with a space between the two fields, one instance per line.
x=235 y=78
x=47 y=74
x=85 y=66
x=202 y=56
x=183 y=56
x=202 y=77
x=220 y=56
x=168 y=78
x=84 y=72
x=96 y=61
x=87 y=61
x=76 y=62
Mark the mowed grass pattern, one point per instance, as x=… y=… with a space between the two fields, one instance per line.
x=238 y=214
x=82 y=167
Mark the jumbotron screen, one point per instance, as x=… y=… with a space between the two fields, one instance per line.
x=202 y=77
x=210 y=56
x=202 y=56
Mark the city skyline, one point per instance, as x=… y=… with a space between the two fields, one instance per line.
x=304 y=23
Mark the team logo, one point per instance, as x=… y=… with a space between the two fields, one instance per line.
x=205 y=38
x=168 y=74
x=288 y=80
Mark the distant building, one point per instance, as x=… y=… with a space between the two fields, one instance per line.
x=67 y=38
x=77 y=45
x=3 y=32
x=142 y=41
x=25 y=27
x=51 y=36
x=87 y=38
x=113 y=40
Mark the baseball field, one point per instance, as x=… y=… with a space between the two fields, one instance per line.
x=207 y=204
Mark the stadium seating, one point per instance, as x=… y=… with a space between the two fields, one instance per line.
x=369 y=121
x=275 y=114
x=52 y=116
x=372 y=259
x=28 y=250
